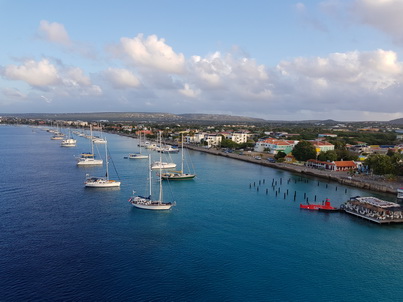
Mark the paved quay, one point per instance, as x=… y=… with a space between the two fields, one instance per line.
x=373 y=183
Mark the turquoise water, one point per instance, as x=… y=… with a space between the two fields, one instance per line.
x=226 y=240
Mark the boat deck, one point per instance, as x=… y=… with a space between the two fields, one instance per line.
x=379 y=221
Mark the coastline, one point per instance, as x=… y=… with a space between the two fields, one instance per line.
x=373 y=183
x=368 y=182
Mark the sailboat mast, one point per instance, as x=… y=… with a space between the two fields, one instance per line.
x=182 y=153
x=149 y=174
x=107 y=162
x=160 y=174
x=92 y=141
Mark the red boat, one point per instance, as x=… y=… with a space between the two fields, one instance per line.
x=319 y=207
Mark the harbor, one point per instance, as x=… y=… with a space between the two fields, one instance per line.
x=227 y=238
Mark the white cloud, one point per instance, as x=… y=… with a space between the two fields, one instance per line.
x=37 y=74
x=54 y=32
x=187 y=91
x=385 y=15
x=151 y=53
x=52 y=81
x=367 y=81
x=76 y=77
x=121 y=78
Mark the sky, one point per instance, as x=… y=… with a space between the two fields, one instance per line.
x=270 y=59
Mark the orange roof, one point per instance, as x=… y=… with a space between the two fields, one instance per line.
x=345 y=163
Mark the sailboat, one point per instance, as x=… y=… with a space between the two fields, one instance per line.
x=58 y=135
x=69 y=142
x=138 y=155
x=160 y=164
x=178 y=175
x=102 y=182
x=147 y=203
x=88 y=159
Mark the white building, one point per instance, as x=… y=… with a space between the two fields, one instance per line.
x=213 y=139
x=239 y=137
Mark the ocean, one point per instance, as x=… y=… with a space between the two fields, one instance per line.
x=235 y=234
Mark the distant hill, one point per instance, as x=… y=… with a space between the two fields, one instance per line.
x=162 y=117
x=398 y=121
x=142 y=117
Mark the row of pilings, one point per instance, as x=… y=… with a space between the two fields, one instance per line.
x=279 y=188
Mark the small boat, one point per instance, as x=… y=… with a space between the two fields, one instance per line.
x=319 y=207
x=147 y=203
x=57 y=136
x=98 y=140
x=178 y=175
x=162 y=165
x=102 y=182
x=138 y=155
x=168 y=149
x=88 y=159
x=70 y=142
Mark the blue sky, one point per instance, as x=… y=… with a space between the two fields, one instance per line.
x=277 y=60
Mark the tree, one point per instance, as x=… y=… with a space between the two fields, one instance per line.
x=279 y=155
x=380 y=164
x=228 y=143
x=329 y=155
x=304 y=150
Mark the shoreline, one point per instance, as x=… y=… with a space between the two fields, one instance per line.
x=372 y=183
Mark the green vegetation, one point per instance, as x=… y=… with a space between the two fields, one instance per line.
x=391 y=164
x=303 y=151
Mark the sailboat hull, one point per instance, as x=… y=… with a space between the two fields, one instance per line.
x=101 y=183
x=177 y=176
x=137 y=156
x=162 y=165
x=147 y=204
x=89 y=162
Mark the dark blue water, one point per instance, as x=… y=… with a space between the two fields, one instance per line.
x=224 y=241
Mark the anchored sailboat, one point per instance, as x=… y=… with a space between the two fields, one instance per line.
x=147 y=203
x=138 y=155
x=88 y=159
x=158 y=165
x=102 y=182
x=178 y=175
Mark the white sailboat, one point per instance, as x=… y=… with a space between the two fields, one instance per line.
x=98 y=139
x=102 y=182
x=69 y=142
x=138 y=155
x=178 y=175
x=88 y=159
x=57 y=135
x=147 y=203
x=158 y=165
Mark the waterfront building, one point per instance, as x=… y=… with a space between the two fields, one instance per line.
x=273 y=146
x=343 y=165
x=213 y=139
x=322 y=146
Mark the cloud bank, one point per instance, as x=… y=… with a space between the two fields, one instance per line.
x=145 y=73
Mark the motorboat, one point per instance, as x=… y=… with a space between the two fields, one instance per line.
x=319 y=207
